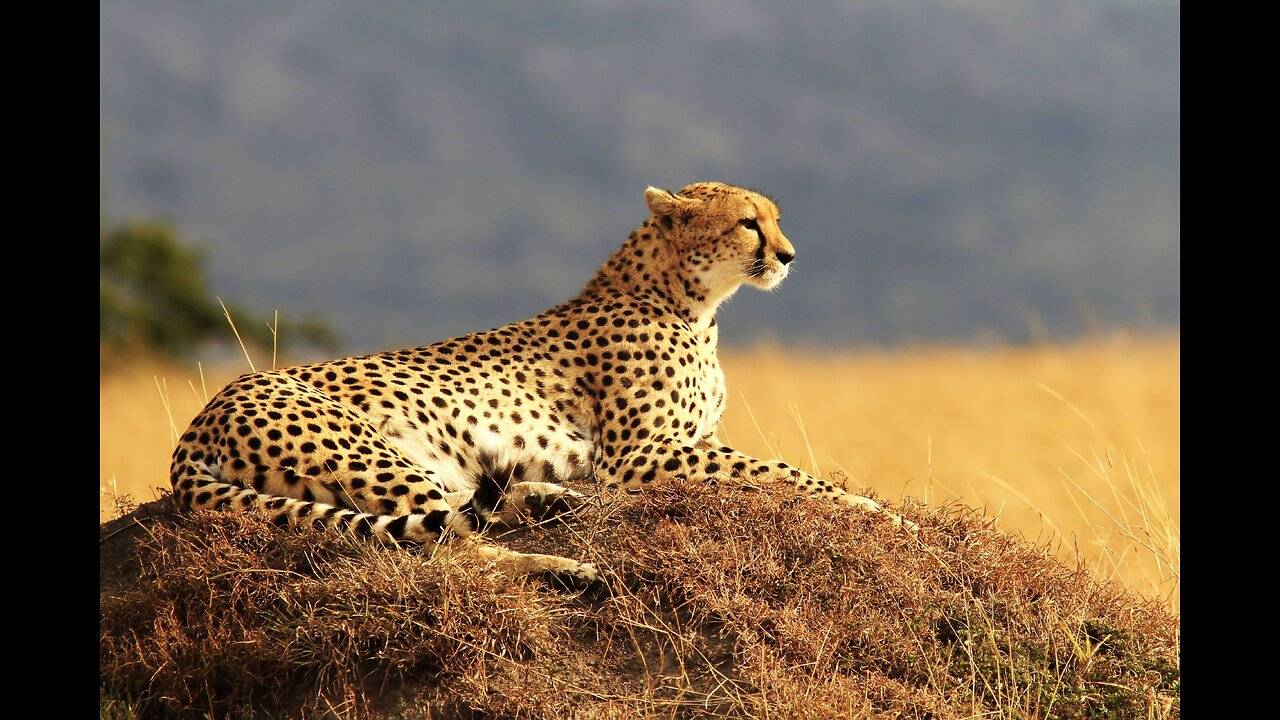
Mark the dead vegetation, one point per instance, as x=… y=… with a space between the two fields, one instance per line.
x=1077 y=444
x=719 y=602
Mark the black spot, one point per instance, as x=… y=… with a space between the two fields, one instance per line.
x=396 y=527
x=434 y=521
x=363 y=525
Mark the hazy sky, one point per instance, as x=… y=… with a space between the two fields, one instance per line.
x=947 y=171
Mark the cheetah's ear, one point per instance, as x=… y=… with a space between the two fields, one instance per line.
x=666 y=205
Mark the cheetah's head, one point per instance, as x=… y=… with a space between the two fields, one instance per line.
x=726 y=236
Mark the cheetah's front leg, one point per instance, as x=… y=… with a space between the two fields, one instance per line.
x=659 y=459
x=818 y=487
x=845 y=497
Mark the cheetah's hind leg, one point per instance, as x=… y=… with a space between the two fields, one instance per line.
x=503 y=497
x=559 y=572
x=536 y=502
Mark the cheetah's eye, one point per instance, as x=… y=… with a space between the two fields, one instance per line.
x=750 y=224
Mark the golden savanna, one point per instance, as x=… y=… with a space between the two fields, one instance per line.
x=1076 y=446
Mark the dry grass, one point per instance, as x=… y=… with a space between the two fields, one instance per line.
x=1077 y=445
x=719 y=602
x=1073 y=446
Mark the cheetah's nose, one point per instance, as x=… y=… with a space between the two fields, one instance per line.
x=786 y=257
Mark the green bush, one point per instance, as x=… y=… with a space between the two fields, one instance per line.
x=155 y=300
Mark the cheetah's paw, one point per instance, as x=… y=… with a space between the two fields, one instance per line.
x=537 y=502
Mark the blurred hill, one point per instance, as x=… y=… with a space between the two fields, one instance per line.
x=412 y=171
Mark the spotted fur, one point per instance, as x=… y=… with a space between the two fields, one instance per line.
x=621 y=383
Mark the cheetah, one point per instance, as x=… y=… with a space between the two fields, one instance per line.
x=622 y=383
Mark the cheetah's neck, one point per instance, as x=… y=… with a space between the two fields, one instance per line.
x=648 y=267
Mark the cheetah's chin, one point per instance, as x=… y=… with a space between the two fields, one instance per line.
x=767 y=280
